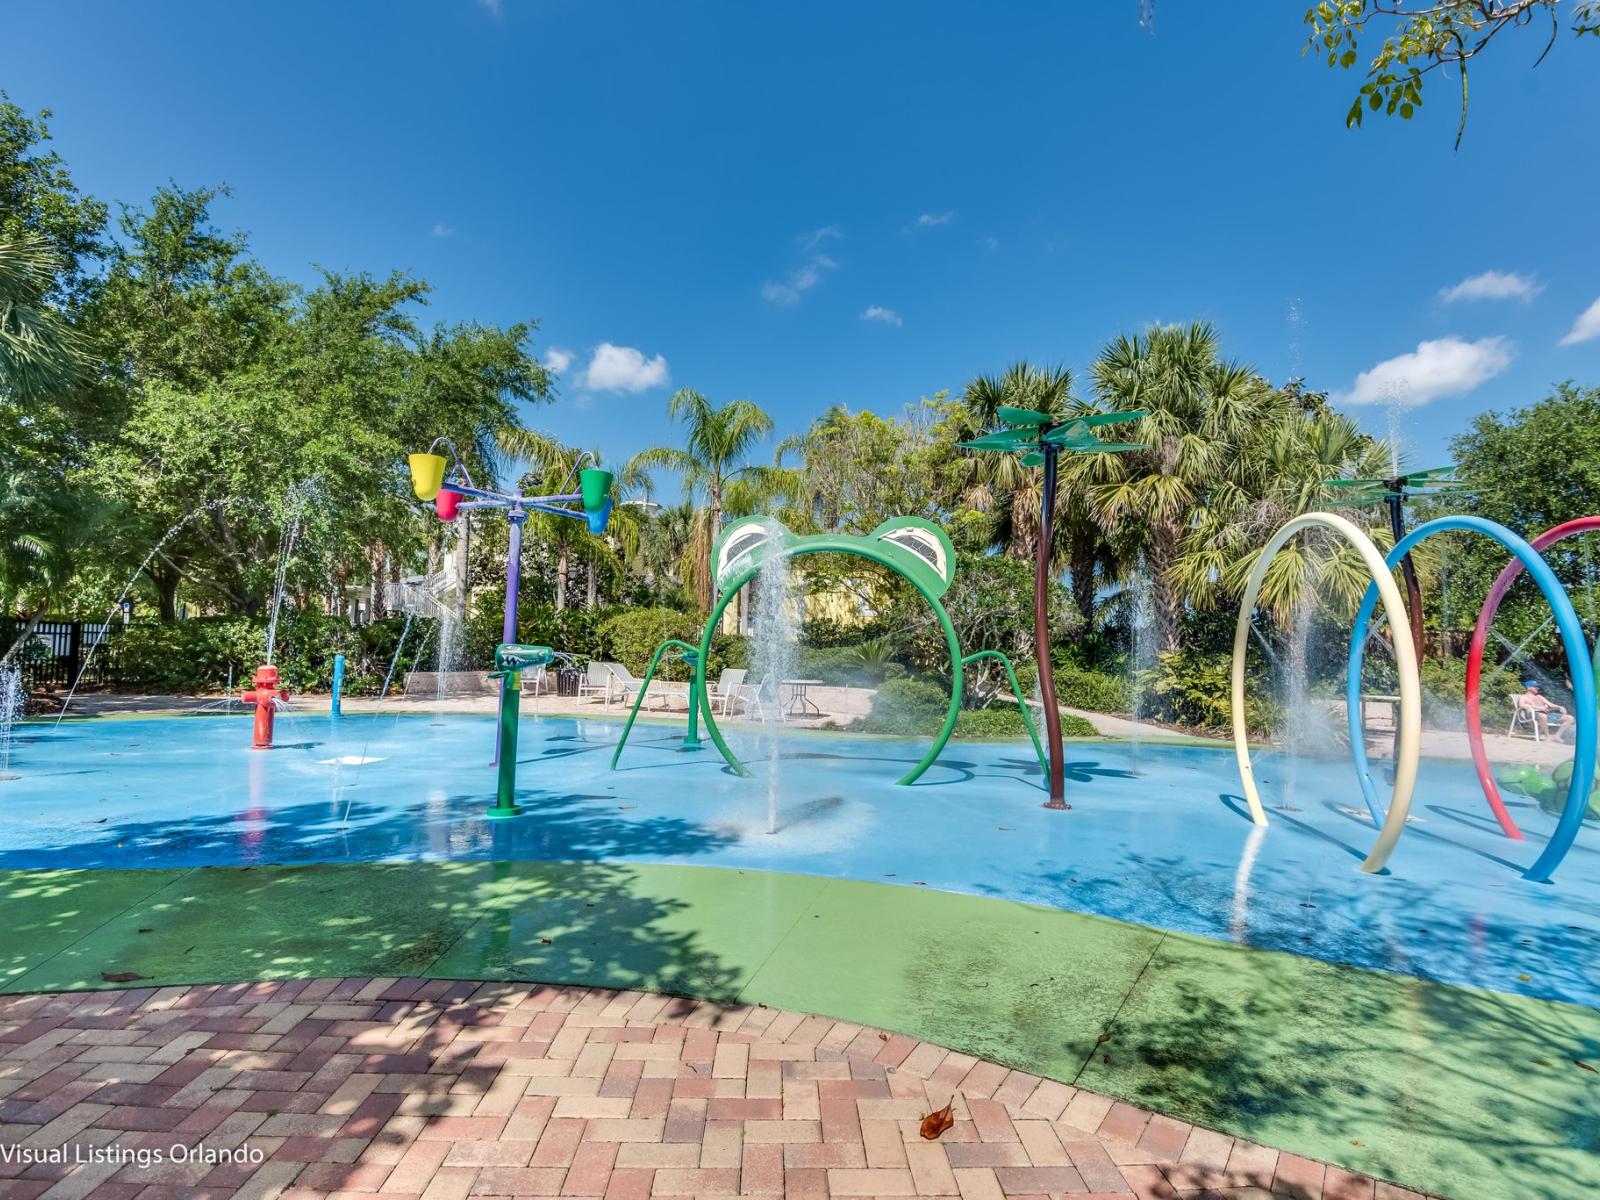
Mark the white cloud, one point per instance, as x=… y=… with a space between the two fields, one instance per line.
x=876 y=312
x=440 y=229
x=492 y=5
x=624 y=369
x=557 y=360
x=991 y=243
x=1445 y=366
x=930 y=220
x=818 y=236
x=1586 y=328
x=799 y=281
x=1493 y=285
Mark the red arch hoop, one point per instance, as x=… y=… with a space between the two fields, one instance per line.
x=1480 y=638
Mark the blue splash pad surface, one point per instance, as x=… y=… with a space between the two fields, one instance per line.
x=1156 y=835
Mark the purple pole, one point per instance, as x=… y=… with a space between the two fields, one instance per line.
x=508 y=631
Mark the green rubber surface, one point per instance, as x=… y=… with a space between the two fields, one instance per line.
x=1469 y=1094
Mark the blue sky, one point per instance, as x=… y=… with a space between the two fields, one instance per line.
x=864 y=203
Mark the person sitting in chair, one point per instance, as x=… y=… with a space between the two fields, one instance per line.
x=1547 y=714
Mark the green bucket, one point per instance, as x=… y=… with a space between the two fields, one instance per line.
x=596 y=488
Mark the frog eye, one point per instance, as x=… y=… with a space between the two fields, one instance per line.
x=741 y=543
x=926 y=541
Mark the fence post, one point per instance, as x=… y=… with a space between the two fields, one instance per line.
x=74 y=650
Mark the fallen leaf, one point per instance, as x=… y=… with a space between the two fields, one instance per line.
x=936 y=1123
x=1104 y=1037
x=546 y=942
x=120 y=976
x=1585 y=1066
x=1524 y=978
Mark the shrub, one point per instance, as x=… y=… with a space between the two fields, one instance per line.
x=872 y=659
x=1079 y=688
x=1005 y=721
x=631 y=637
x=840 y=666
x=824 y=632
x=1196 y=690
x=195 y=655
x=905 y=706
x=1444 y=693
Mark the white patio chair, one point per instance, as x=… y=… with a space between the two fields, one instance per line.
x=761 y=698
x=727 y=689
x=535 y=681
x=596 y=680
x=1523 y=717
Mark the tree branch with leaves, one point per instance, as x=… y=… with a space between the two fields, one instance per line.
x=1427 y=35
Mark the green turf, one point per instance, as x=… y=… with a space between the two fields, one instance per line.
x=1465 y=1093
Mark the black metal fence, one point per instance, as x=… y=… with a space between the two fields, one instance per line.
x=57 y=650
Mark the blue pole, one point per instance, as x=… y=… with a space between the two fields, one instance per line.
x=338 y=684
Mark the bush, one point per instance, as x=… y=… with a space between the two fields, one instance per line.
x=841 y=666
x=825 y=633
x=1080 y=688
x=1196 y=690
x=905 y=706
x=1005 y=721
x=917 y=707
x=574 y=631
x=195 y=655
x=631 y=637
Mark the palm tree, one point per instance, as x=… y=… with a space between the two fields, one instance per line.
x=1203 y=414
x=43 y=517
x=719 y=440
x=40 y=354
x=552 y=466
x=1000 y=485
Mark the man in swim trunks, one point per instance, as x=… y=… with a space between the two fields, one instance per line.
x=1546 y=712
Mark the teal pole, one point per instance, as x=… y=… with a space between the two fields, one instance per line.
x=1022 y=703
x=644 y=686
x=338 y=685
x=691 y=739
x=505 y=800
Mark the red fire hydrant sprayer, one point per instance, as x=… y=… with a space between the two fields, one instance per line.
x=266 y=696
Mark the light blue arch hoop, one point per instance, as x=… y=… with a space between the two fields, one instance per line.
x=1578 y=666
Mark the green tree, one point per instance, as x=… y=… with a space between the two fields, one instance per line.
x=1425 y=36
x=1529 y=469
x=233 y=386
x=43 y=510
x=858 y=469
x=39 y=199
x=715 y=453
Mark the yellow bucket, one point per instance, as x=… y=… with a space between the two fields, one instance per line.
x=427 y=474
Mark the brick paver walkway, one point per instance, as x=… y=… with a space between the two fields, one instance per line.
x=443 y=1090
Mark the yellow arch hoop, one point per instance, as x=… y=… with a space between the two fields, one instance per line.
x=1405 y=776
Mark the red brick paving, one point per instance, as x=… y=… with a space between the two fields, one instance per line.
x=365 y=1088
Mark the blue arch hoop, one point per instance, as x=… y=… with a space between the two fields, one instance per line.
x=1578 y=666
